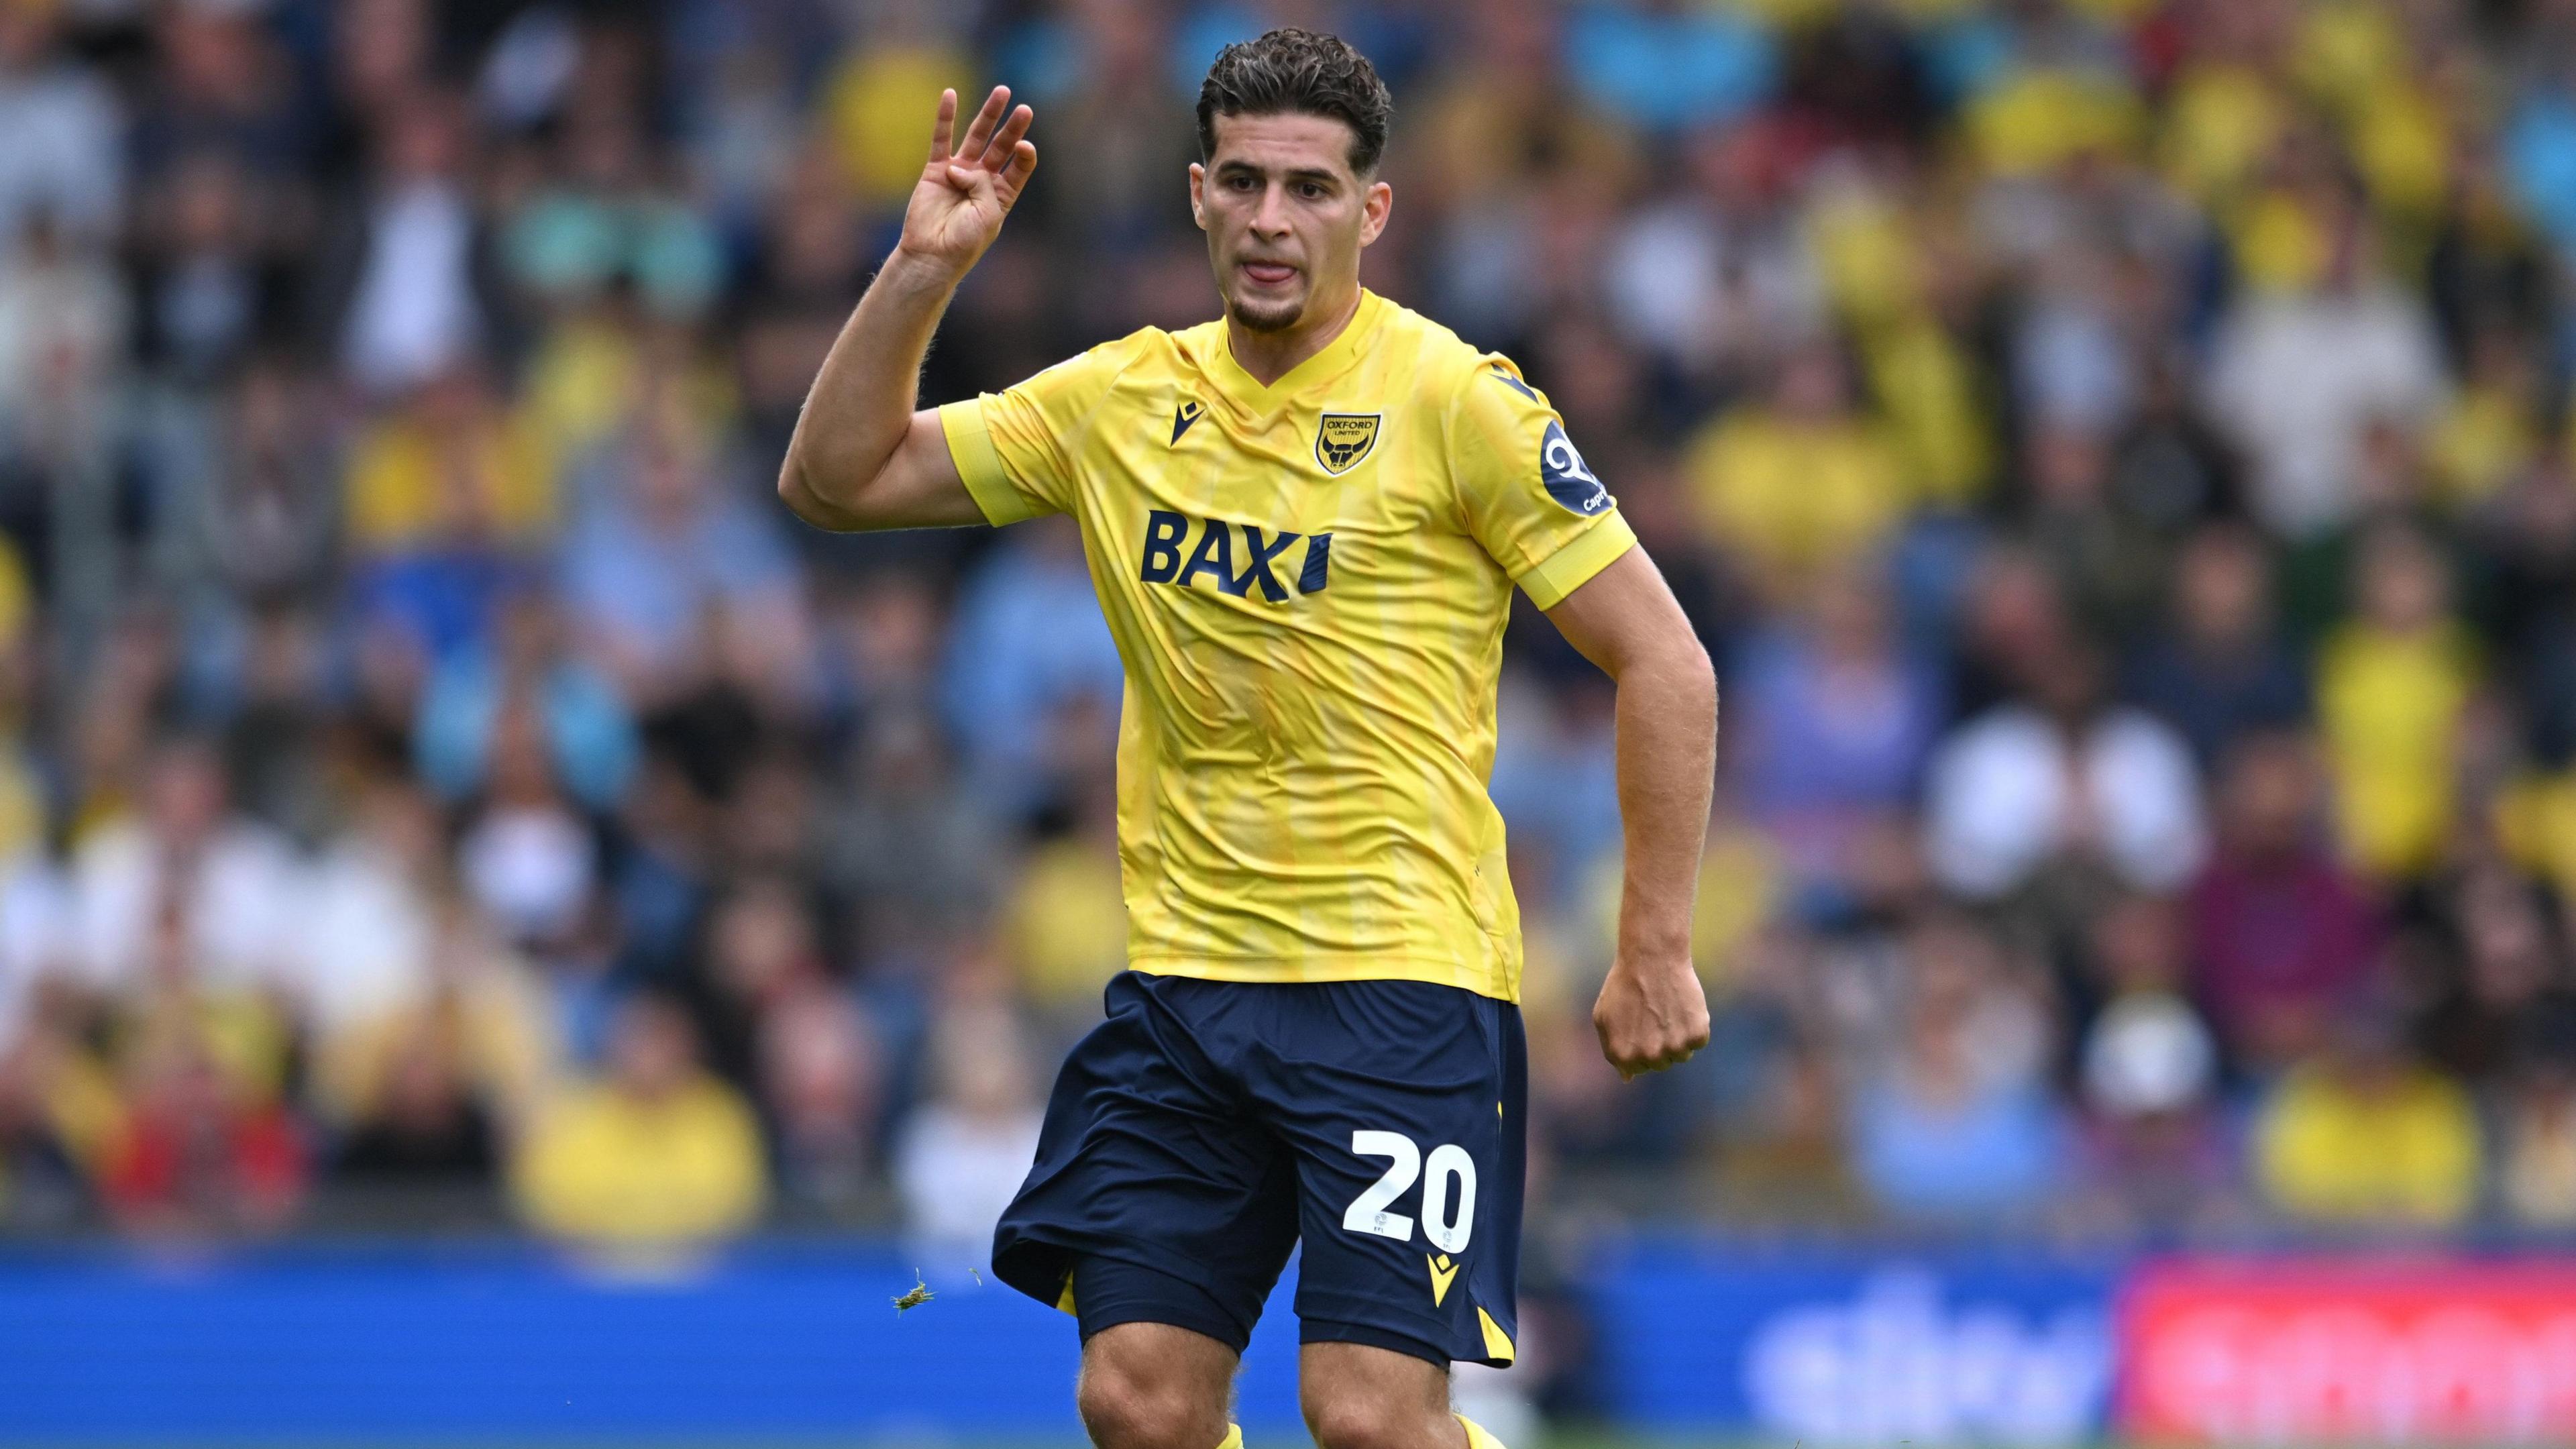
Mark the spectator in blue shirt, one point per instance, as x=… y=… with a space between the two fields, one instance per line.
x=588 y=731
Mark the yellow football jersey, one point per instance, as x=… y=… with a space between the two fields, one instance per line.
x=1308 y=583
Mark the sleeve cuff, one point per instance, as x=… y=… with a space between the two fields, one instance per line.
x=1548 y=581
x=979 y=464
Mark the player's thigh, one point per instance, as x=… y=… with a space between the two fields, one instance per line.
x=1155 y=1386
x=1356 y=1396
x=1406 y=1106
x=1148 y=1160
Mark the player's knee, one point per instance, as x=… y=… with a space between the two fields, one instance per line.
x=1345 y=1420
x=1123 y=1408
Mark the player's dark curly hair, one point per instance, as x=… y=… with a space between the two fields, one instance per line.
x=1298 y=72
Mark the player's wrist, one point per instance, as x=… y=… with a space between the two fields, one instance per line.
x=1647 y=954
x=913 y=269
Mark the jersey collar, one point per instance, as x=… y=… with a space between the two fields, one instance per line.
x=1337 y=354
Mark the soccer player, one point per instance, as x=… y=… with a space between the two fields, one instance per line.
x=1304 y=521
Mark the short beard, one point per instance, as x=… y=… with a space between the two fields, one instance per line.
x=1275 y=320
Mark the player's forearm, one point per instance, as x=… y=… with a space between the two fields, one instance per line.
x=1667 y=752
x=862 y=401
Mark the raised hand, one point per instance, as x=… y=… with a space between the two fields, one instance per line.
x=967 y=189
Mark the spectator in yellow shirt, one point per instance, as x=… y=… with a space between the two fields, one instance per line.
x=2489 y=433
x=2368 y=1136
x=658 y=1155
x=2391 y=689
x=451 y=463
x=2536 y=1146
x=17 y=596
x=1800 y=483
x=21 y=802
x=873 y=102
x=1065 y=924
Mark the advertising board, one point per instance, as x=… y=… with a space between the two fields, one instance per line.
x=2350 y=1352
x=1858 y=1347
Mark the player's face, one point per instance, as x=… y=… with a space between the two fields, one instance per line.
x=1286 y=217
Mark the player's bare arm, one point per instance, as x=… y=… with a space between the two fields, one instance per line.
x=863 y=456
x=1652 y=1012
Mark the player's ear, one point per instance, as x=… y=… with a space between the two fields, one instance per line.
x=1198 y=195
x=1376 y=204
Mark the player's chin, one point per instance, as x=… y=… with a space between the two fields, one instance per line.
x=1266 y=314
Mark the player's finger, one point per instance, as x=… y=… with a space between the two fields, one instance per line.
x=980 y=134
x=1006 y=141
x=944 y=127
x=1024 y=161
x=1638 y=1063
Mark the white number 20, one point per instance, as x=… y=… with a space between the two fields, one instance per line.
x=1448 y=1196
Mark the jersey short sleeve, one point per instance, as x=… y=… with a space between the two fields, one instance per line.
x=1527 y=495
x=1015 y=448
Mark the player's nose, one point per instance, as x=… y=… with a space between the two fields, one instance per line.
x=1270 y=218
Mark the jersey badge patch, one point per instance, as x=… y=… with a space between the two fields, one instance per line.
x=1342 y=439
x=1189 y=412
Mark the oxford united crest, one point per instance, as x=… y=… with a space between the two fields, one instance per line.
x=1342 y=439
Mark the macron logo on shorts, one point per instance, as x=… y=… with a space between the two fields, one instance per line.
x=1443 y=1272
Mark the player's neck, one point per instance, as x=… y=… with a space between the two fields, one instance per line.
x=1270 y=356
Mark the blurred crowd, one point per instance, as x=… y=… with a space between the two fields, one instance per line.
x=2118 y=452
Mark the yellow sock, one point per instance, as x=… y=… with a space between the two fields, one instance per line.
x=1233 y=1437
x=1477 y=1435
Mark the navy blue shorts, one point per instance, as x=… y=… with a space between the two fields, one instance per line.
x=1207 y=1127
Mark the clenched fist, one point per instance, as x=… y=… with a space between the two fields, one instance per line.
x=1650 y=1017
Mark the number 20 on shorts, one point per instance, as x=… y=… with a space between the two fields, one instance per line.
x=1448 y=1192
